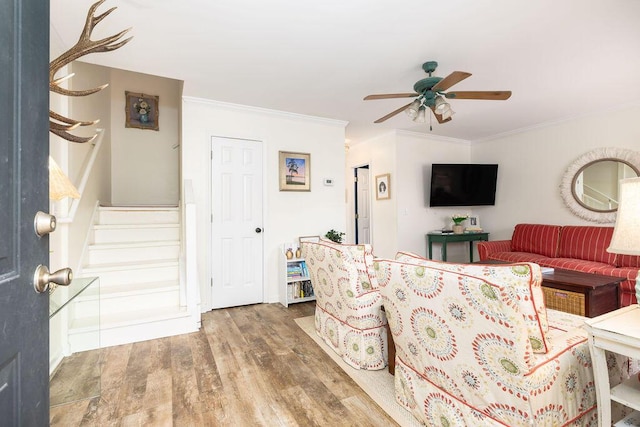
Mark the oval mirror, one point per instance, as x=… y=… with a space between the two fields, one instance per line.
x=595 y=185
x=590 y=185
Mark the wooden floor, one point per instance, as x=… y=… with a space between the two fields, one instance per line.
x=247 y=366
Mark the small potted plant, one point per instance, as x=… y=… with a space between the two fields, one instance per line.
x=457 y=222
x=334 y=236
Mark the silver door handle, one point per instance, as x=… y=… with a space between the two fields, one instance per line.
x=42 y=279
x=44 y=223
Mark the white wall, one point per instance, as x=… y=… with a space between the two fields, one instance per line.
x=379 y=153
x=401 y=222
x=145 y=164
x=531 y=166
x=315 y=212
x=416 y=153
x=532 y=163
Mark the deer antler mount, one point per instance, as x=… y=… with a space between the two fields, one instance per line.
x=59 y=124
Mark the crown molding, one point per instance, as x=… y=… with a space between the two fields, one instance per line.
x=553 y=123
x=439 y=138
x=275 y=113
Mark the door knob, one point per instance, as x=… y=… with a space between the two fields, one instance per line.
x=258 y=230
x=42 y=279
x=44 y=223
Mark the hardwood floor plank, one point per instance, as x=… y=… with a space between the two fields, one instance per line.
x=68 y=415
x=160 y=416
x=114 y=362
x=247 y=366
x=134 y=388
x=185 y=394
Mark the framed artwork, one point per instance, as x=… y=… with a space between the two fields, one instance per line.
x=383 y=191
x=473 y=222
x=295 y=171
x=141 y=111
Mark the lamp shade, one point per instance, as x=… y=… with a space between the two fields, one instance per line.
x=59 y=184
x=626 y=233
x=447 y=113
x=413 y=109
x=421 y=118
x=441 y=105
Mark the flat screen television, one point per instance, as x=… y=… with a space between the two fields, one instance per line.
x=463 y=184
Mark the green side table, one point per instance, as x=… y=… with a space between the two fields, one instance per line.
x=445 y=238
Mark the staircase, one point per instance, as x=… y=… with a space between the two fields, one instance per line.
x=135 y=252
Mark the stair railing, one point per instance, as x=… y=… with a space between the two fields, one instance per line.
x=85 y=178
x=190 y=286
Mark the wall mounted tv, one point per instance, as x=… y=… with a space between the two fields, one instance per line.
x=463 y=184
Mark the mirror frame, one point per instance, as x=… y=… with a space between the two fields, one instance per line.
x=629 y=157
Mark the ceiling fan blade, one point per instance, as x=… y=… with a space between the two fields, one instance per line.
x=393 y=113
x=491 y=95
x=439 y=116
x=450 y=80
x=390 y=95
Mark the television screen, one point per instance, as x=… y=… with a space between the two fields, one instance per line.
x=463 y=184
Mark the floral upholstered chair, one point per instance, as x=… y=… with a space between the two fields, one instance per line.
x=349 y=315
x=476 y=347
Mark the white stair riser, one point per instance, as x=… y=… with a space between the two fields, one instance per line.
x=116 y=235
x=110 y=336
x=127 y=302
x=139 y=217
x=134 y=275
x=100 y=255
x=139 y=292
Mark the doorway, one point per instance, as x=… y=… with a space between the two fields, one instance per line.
x=237 y=276
x=24 y=153
x=362 y=204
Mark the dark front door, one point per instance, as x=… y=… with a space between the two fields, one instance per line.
x=24 y=188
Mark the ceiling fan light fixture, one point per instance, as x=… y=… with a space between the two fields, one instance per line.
x=448 y=113
x=441 y=105
x=420 y=118
x=413 y=109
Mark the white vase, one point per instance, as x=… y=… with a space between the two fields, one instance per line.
x=458 y=229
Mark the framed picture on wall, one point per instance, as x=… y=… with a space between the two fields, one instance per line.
x=383 y=191
x=473 y=223
x=295 y=171
x=141 y=111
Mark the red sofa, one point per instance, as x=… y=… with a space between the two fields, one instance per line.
x=580 y=248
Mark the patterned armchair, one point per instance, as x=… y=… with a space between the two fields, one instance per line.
x=349 y=314
x=471 y=348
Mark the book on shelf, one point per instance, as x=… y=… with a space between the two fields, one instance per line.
x=297 y=270
x=301 y=289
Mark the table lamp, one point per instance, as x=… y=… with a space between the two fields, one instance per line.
x=626 y=233
x=60 y=185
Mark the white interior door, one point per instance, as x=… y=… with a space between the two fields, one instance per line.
x=236 y=222
x=363 y=205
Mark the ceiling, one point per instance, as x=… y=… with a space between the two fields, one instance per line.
x=561 y=59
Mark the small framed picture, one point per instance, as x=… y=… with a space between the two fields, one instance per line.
x=473 y=222
x=295 y=171
x=141 y=111
x=383 y=190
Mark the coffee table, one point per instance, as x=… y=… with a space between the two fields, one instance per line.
x=585 y=294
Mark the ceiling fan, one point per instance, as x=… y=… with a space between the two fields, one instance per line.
x=431 y=94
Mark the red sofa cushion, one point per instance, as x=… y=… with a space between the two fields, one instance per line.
x=628 y=261
x=539 y=239
x=587 y=243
